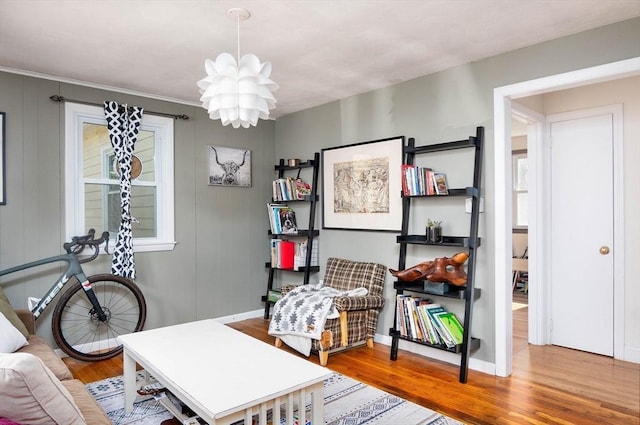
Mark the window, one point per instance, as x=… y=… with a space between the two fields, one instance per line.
x=520 y=190
x=92 y=184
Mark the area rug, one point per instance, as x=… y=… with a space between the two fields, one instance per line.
x=347 y=402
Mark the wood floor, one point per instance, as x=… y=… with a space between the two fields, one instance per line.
x=549 y=385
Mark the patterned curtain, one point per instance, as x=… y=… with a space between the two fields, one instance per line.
x=123 y=124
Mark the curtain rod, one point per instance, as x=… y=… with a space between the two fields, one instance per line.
x=61 y=99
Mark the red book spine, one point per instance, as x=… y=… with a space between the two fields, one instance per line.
x=287 y=253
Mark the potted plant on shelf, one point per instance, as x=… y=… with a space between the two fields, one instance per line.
x=434 y=231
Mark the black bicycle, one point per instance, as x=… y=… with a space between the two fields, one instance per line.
x=94 y=310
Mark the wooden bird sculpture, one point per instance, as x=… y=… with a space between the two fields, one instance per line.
x=439 y=270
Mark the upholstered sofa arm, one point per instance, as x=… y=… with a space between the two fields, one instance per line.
x=358 y=303
x=27 y=318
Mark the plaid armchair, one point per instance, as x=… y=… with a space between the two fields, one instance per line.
x=358 y=315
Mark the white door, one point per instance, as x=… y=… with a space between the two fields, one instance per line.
x=581 y=256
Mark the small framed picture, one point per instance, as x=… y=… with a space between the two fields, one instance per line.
x=229 y=166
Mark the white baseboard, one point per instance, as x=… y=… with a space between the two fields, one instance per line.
x=631 y=354
x=433 y=353
x=474 y=364
x=240 y=316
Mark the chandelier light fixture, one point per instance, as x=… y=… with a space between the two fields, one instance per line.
x=237 y=93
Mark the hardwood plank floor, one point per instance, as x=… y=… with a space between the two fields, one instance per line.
x=549 y=385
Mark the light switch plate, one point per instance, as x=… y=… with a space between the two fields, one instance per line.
x=467 y=205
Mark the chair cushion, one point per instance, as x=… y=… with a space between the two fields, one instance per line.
x=42 y=350
x=91 y=410
x=347 y=274
x=10 y=338
x=37 y=397
x=10 y=314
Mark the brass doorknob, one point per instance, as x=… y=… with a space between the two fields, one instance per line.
x=604 y=250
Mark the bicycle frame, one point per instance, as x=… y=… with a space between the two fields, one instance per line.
x=74 y=269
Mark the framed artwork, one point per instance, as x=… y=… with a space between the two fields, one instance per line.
x=229 y=166
x=362 y=186
x=3 y=199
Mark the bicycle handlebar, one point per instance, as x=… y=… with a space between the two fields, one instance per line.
x=79 y=243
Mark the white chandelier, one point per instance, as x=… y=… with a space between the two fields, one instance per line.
x=237 y=93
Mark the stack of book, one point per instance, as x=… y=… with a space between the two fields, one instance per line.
x=420 y=181
x=282 y=219
x=422 y=320
x=291 y=254
x=290 y=189
x=300 y=257
x=282 y=254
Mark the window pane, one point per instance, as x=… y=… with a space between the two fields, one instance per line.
x=145 y=151
x=143 y=209
x=521 y=172
x=96 y=151
x=102 y=207
x=522 y=212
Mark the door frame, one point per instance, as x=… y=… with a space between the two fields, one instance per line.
x=537 y=307
x=502 y=224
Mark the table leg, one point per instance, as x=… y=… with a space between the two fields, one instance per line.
x=129 y=372
x=317 y=404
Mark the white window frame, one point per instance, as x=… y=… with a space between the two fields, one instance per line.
x=517 y=155
x=77 y=114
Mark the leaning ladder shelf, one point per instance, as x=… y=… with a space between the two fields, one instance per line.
x=310 y=233
x=469 y=294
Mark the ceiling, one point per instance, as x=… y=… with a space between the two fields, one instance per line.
x=320 y=50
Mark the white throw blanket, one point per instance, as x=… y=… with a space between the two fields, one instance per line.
x=300 y=315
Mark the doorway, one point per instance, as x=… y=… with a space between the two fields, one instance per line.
x=503 y=204
x=582 y=274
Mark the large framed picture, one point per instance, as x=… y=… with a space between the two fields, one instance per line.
x=3 y=200
x=229 y=166
x=362 y=186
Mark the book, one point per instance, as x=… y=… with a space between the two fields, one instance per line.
x=286 y=254
x=287 y=218
x=451 y=323
x=400 y=323
x=302 y=189
x=300 y=259
x=273 y=296
x=405 y=173
x=432 y=333
x=440 y=183
x=430 y=188
x=282 y=219
x=274 y=217
x=432 y=310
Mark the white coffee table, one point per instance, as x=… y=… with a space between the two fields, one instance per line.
x=222 y=374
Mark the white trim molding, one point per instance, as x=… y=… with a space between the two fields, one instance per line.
x=502 y=177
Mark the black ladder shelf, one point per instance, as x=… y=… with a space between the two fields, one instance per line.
x=310 y=233
x=468 y=293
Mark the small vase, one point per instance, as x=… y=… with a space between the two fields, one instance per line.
x=434 y=234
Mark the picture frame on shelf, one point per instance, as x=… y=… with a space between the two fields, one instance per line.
x=229 y=166
x=3 y=117
x=362 y=186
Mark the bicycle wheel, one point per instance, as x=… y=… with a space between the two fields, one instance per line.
x=77 y=328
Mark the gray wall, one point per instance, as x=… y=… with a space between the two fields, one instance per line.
x=217 y=267
x=441 y=107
